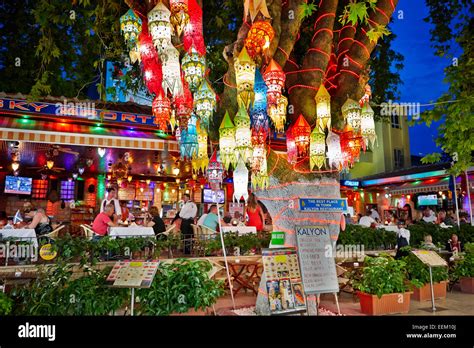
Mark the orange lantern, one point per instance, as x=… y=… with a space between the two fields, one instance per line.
x=351 y=144
x=259 y=38
x=300 y=132
x=161 y=108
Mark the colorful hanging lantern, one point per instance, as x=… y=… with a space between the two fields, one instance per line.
x=205 y=102
x=258 y=112
x=275 y=80
x=183 y=105
x=193 y=35
x=323 y=107
x=301 y=132
x=317 y=148
x=291 y=149
x=254 y=7
x=147 y=50
x=278 y=114
x=367 y=126
x=172 y=71
x=334 y=153
x=243 y=135
x=201 y=160
x=214 y=172
x=161 y=108
x=130 y=27
x=194 y=66
x=351 y=112
x=179 y=15
x=245 y=78
x=160 y=27
x=259 y=38
x=351 y=144
x=189 y=140
x=227 y=142
x=241 y=181
x=259 y=178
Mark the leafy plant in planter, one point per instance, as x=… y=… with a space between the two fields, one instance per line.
x=179 y=286
x=419 y=274
x=6 y=304
x=465 y=267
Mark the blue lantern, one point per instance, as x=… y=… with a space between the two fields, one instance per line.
x=189 y=140
x=258 y=112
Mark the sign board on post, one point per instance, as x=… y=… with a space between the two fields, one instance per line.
x=133 y=274
x=430 y=258
x=313 y=205
x=318 y=267
x=283 y=281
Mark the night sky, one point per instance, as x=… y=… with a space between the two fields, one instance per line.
x=423 y=74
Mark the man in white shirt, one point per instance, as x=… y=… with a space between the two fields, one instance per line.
x=187 y=214
x=429 y=215
x=375 y=214
x=367 y=220
x=111 y=199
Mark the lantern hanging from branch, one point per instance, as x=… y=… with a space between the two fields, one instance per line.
x=189 y=140
x=179 y=15
x=160 y=27
x=227 y=142
x=205 y=102
x=253 y=7
x=130 y=27
x=258 y=112
x=317 y=148
x=201 y=160
x=351 y=112
x=275 y=80
x=245 y=78
x=161 y=108
x=278 y=114
x=243 y=135
x=367 y=126
x=351 y=144
x=259 y=178
x=241 y=181
x=183 y=106
x=301 y=132
x=323 y=107
x=194 y=66
x=334 y=153
x=259 y=37
x=147 y=50
x=172 y=71
x=193 y=33
x=291 y=149
x=214 y=172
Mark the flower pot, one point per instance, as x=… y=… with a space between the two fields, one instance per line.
x=424 y=293
x=387 y=304
x=467 y=284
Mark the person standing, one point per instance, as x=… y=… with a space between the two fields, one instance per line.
x=255 y=213
x=403 y=239
x=112 y=199
x=187 y=214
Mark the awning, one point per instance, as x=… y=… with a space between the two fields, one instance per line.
x=430 y=185
x=14 y=129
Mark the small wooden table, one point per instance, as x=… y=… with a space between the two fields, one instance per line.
x=246 y=275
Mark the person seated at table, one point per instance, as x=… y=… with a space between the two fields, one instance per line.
x=237 y=219
x=212 y=221
x=153 y=219
x=200 y=221
x=103 y=221
x=428 y=243
x=9 y=225
x=454 y=245
x=40 y=222
x=227 y=220
x=367 y=220
x=463 y=218
x=429 y=215
x=443 y=219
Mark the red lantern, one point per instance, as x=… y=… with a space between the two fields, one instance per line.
x=291 y=150
x=259 y=136
x=300 y=132
x=161 y=108
x=192 y=184
x=193 y=35
x=274 y=78
x=351 y=144
x=152 y=73
x=259 y=38
x=183 y=105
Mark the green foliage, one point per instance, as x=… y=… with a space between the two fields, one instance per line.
x=377 y=32
x=356 y=12
x=371 y=239
x=419 y=274
x=307 y=9
x=382 y=275
x=465 y=266
x=180 y=286
x=246 y=243
x=6 y=304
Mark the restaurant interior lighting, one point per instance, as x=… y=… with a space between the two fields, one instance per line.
x=50 y=164
x=148 y=181
x=75 y=175
x=176 y=171
x=141 y=189
x=130 y=178
x=119 y=181
x=15 y=165
x=101 y=151
x=178 y=180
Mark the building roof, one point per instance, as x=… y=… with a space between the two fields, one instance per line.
x=407 y=171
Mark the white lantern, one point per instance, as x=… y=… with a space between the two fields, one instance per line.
x=323 y=107
x=160 y=27
x=351 y=113
x=333 y=143
x=172 y=71
x=241 y=181
x=367 y=125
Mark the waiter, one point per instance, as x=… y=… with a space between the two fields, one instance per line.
x=187 y=214
x=112 y=200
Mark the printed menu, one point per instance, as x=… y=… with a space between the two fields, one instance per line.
x=133 y=274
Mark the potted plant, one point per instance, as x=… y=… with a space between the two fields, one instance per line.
x=419 y=276
x=382 y=287
x=464 y=269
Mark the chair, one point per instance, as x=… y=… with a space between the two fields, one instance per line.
x=207 y=233
x=88 y=232
x=53 y=234
x=171 y=230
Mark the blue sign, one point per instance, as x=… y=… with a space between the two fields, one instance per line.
x=350 y=183
x=323 y=205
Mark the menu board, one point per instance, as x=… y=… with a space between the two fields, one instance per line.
x=126 y=193
x=283 y=281
x=318 y=269
x=133 y=274
x=430 y=258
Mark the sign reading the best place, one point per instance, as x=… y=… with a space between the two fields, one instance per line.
x=326 y=205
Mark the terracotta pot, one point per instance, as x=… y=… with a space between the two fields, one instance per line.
x=424 y=293
x=387 y=304
x=467 y=285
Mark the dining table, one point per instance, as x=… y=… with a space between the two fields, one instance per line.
x=391 y=228
x=20 y=234
x=131 y=232
x=239 y=229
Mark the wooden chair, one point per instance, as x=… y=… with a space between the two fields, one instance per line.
x=53 y=234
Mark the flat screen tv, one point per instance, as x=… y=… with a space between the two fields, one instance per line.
x=427 y=200
x=209 y=196
x=18 y=185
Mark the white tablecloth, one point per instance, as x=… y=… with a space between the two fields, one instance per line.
x=133 y=231
x=240 y=229
x=391 y=228
x=22 y=234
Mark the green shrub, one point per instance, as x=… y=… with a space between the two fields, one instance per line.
x=6 y=304
x=419 y=273
x=465 y=266
x=370 y=238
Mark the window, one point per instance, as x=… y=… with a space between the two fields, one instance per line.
x=67 y=190
x=39 y=189
x=398 y=158
x=395 y=121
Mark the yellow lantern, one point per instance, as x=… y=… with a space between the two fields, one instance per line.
x=367 y=125
x=259 y=178
x=245 y=78
x=201 y=160
x=351 y=112
x=227 y=142
x=243 y=135
x=50 y=164
x=278 y=114
x=317 y=148
x=179 y=15
x=160 y=27
x=323 y=107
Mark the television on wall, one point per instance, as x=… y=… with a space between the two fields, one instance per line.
x=209 y=196
x=427 y=200
x=18 y=185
